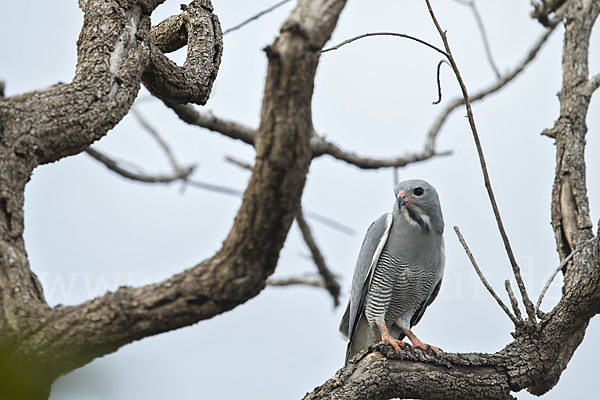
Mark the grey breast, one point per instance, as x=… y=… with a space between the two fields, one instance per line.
x=399 y=285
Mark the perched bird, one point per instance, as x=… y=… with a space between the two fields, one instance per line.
x=398 y=272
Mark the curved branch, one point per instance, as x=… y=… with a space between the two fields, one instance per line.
x=239 y=270
x=319 y=146
x=396 y=34
x=177 y=175
x=193 y=81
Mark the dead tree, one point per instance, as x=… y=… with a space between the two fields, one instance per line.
x=118 y=50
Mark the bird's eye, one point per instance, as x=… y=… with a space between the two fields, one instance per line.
x=418 y=191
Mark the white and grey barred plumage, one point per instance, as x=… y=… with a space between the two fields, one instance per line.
x=398 y=272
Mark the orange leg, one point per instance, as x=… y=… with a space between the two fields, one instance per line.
x=416 y=343
x=387 y=338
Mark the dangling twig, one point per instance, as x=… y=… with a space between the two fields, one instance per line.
x=439 y=83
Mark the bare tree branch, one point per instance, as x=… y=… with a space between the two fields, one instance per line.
x=255 y=17
x=239 y=270
x=113 y=165
x=439 y=83
x=570 y=204
x=484 y=38
x=553 y=275
x=331 y=283
x=187 y=113
x=592 y=85
x=517 y=322
x=488 y=185
x=542 y=10
x=154 y=133
x=297 y=280
x=481 y=94
x=330 y=222
x=371 y=34
x=319 y=146
x=513 y=300
x=191 y=82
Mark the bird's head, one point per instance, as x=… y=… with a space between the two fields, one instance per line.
x=419 y=201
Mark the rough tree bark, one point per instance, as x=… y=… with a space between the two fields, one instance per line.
x=117 y=52
x=115 y=55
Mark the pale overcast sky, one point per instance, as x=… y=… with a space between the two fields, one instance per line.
x=88 y=230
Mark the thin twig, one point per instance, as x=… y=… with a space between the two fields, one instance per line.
x=297 y=280
x=493 y=88
x=484 y=38
x=513 y=300
x=331 y=284
x=154 y=133
x=255 y=17
x=238 y=162
x=439 y=83
x=214 y=188
x=364 y=35
x=329 y=222
x=560 y=266
x=529 y=307
x=312 y=215
x=483 y=280
x=113 y=165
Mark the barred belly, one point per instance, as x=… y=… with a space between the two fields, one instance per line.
x=396 y=292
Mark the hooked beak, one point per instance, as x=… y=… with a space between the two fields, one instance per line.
x=401 y=199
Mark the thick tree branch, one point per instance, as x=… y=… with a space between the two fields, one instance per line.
x=542 y=10
x=534 y=360
x=46 y=125
x=193 y=81
x=319 y=146
x=238 y=271
x=328 y=280
x=570 y=207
